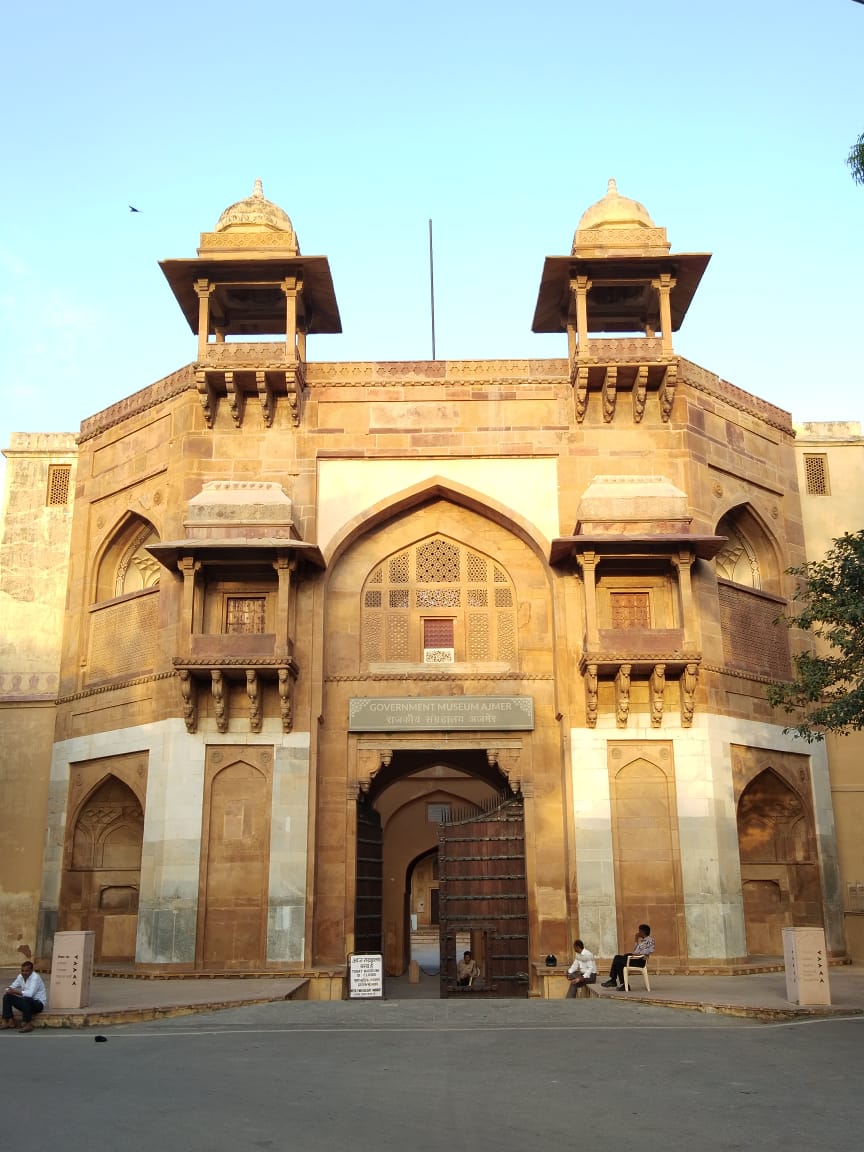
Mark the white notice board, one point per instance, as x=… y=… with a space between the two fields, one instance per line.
x=365 y=976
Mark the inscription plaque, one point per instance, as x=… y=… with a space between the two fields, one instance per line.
x=441 y=713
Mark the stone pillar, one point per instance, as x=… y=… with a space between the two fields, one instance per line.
x=205 y=290
x=664 y=285
x=683 y=562
x=588 y=564
x=291 y=286
x=284 y=567
x=189 y=567
x=580 y=287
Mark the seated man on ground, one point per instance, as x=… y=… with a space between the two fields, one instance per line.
x=466 y=971
x=635 y=958
x=27 y=994
x=582 y=971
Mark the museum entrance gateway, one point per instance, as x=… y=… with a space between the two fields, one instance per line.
x=440 y=869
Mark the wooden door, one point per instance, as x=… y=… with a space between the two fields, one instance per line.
x=368 y=903
x=483 y=899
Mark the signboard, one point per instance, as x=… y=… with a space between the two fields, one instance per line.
x=806 y=961
x=365 y=976
x=71 y=969
x=441 y=713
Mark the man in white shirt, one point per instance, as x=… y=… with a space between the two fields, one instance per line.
x=582 y=971
x=27 y=994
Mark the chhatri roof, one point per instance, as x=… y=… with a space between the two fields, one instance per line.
x=255 y=214
x=620 y=251
x=247 y=257
x=615 y=210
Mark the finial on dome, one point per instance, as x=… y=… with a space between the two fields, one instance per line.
x=258 y=190
x=612 y=187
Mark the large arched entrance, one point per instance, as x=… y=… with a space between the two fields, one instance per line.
x=438 y=699
x=102 y=878
x=411 y=804
x=779 y=868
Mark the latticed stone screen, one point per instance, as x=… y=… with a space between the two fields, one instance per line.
x=123 y=638
x=630 y=610
x=245 y=614
x=753 y=641
x=816 y=475
x=59 y=476
x=439 y=595
x=437 y=633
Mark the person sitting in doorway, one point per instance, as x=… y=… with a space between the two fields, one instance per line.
x=582 y=971
x=27 y=994
x=642 y=948
x=466 y=971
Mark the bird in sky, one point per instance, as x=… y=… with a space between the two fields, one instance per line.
x=131 y=209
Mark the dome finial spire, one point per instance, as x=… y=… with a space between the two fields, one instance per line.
x=258 y=190
x=612 y=187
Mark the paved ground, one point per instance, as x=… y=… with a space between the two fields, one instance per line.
x=439 y=1076
x=123 y=1000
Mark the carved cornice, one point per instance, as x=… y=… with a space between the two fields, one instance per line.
x=435 y=373
x=183 y=380
x=741 y=674
x=114 y=686
x=391 y=677
x=704 y=381
x=235 y=662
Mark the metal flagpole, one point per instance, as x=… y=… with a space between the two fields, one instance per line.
x=432 y=288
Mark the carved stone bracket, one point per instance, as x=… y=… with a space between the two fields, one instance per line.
x=294 y=385
x=220 y=704
x=235 y=399
x=207 y=396
x=507 y=762
x=610 y=393
x=370 y=761
x=265 y=396
x=656 y=694
x=190 y=699
x=591 y=695
x=254 y=694
x=640 y=393
x=689 y=679
x=580 y=387
x=287 y=676
x=667 y=391
x=622 y=696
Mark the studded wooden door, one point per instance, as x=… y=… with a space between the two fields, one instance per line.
x=483 y=900
x=367 y=908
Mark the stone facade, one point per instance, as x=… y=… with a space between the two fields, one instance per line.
x=830 y=459
x=258 y=540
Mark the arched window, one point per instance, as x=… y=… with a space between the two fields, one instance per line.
x=439 y=602
x=748 y=583
x=737 y=560
x=126 y=565
x=124 y=615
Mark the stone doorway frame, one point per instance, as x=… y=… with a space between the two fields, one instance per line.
x=370 y=755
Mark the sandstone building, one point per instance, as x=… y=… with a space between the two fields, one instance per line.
x=275 y=628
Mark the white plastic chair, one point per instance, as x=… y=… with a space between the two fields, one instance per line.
x=641 y=969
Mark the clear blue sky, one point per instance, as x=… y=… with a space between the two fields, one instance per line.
x=729 y=121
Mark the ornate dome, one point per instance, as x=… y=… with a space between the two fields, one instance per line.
x=616 y=211
x=255 y=214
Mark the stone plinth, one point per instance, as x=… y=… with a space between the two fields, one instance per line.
x=806 y=966
x=71 y=970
